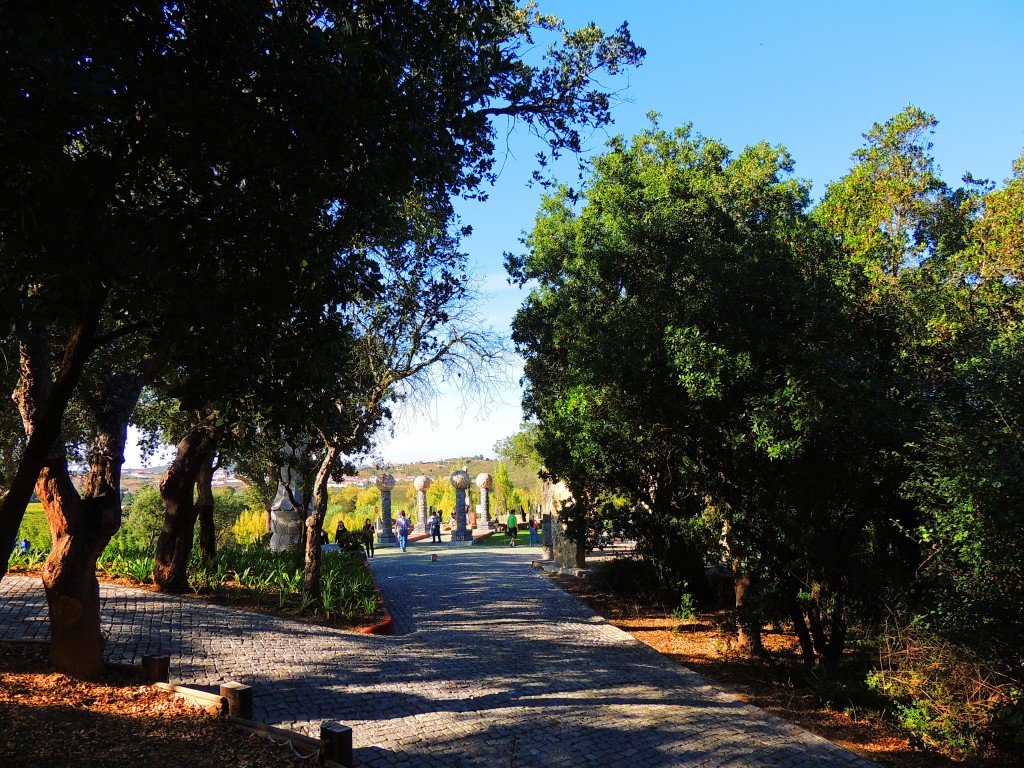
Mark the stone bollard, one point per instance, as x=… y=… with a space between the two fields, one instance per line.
x=156 y=669
x=337 y=740
x=239 y=698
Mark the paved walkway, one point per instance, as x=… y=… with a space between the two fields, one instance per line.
x=493 y=666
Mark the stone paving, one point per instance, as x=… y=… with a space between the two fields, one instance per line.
x=492 y=665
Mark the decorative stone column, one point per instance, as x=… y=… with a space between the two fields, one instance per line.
x=386 y=537
x=460 y=480
x=483 y=510
x=286 y=516
x=421 y=484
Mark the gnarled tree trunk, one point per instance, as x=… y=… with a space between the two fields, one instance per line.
x=174 y=545
x=41 y=401
x=827 y=626
x=81 y=529
x=204 y=509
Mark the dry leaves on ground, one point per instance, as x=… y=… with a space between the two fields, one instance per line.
x=52 y=719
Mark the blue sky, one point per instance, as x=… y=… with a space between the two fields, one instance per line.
x=812 y=76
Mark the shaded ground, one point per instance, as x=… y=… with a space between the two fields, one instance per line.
x=780 y=684
x=47 y=718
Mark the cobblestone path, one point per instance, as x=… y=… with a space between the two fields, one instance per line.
x=492 y=666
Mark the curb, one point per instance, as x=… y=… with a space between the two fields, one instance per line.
x=387 y=625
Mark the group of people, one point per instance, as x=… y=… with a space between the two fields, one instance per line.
x=512 y=529
x=367 y=534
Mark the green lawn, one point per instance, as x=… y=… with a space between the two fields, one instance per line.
x=497 y=539
x=35 y=527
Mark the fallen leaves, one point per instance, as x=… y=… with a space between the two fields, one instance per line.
x=51 y=719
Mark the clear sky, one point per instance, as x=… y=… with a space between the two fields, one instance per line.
x=811 y=75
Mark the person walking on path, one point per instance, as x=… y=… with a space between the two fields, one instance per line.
x=402 y=527
x=512 y=525
x=340 y=532
x=534 y=532
x=435 y=528
x=368 y=535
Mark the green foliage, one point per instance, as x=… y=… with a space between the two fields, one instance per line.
x=441 y=494
x=504 y=492
x=946 y=696
x=749 y=384
x=627 y=576
x=250 y=527
x=687 y=608
x=143 y=515
x=347 y=592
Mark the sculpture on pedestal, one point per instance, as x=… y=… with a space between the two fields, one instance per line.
x=421 y=484
x=288 y=510
x=460 y=481
x=386 y=537
x=483 y=510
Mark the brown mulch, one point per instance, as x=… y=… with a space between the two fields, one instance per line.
x=777 y=683
x=51 y=719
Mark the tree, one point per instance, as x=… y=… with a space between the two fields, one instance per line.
x=742 y=381
x=886 y=207
x=129 y=186
x=164 y=185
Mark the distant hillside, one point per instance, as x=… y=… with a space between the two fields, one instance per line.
x=133 y=479
x=521 y=477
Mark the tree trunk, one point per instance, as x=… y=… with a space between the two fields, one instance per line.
x=174 y=545
x=311 y=576
x=748 y=627
x=827 y=628
x=204 y=509
x=81 y=529
x=42 y=401
x=806 y=644
x=85 y=526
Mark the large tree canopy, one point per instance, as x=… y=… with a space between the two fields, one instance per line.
x=688 y=347
x=182 y=177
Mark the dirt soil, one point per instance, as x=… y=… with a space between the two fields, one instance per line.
x=778 y=683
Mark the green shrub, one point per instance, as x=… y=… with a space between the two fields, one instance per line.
x=946 y=697
x=687 y=608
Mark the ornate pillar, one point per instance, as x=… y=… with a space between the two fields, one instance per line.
x=386 y=537
x=460 y=480
x=421 y=484
x=483 y=510
x=286 y=516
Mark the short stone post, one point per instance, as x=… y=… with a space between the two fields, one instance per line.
x=156 y=669
x=460 y=480
x=421 y=484
x=337 y=739
x=386 y=537
x=483 y=510
x=239 y=698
